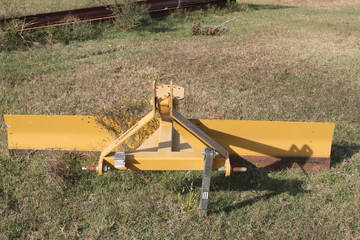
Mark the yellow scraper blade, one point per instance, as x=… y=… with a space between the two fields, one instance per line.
x=273 y=145
x=265 y=138
x=262 y=143
x=39 y=132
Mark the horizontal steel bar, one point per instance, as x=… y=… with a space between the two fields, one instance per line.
x=310 y=164
x=156 y=9
x=170 y=161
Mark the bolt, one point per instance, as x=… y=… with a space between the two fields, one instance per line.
x=106 y=168
x=222 y=169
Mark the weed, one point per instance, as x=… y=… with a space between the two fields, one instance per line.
x=13 y=38
x=233 y=6
x=129 y=14
x=197 y=29
x=121 y=114
x=73 y=30
x=188 y=198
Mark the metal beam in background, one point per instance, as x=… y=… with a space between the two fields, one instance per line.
x=157 y=9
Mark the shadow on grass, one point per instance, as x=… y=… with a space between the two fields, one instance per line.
x=12 y=201
x=157 y=26
x=160 y=29
x=255 y=179
x=268 y=6
x=343 y=151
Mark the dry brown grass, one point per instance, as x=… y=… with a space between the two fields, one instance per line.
x=121 y=114
x=10 y=8
x=317 y=4
x=221 y=73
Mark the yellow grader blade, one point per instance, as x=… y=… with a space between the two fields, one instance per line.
x=37 y=132
x=264 y=144
x=180 y=143
x=272 y=145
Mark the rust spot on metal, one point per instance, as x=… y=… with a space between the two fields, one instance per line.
x=308 y=164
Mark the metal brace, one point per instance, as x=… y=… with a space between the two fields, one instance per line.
x=119 y=160
x=209 y=155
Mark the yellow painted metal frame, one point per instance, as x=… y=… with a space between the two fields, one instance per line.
x=167 y=153
x=178 y=143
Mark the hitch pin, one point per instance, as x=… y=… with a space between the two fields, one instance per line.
x=95 y=168
x=235 y=169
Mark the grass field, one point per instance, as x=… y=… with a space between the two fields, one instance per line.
x=9 y=8
x=317 y=4
x=274 y=62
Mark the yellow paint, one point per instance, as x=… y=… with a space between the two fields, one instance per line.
x=259 y=138
x=130 y=132
x=169 y=161
x=112 y=146
x=56 y=132
x=265 y=138
x=178 y=144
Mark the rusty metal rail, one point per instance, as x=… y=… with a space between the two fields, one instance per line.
x=156 y=8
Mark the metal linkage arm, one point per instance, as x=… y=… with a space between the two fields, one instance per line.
x=205 y=188
x=199 y=134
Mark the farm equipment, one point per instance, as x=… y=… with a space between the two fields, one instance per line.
x=180 y=143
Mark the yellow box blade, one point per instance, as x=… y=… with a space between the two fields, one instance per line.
x=271 y=145
x=265 y=138
x=81 y=133
x=262 y=143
